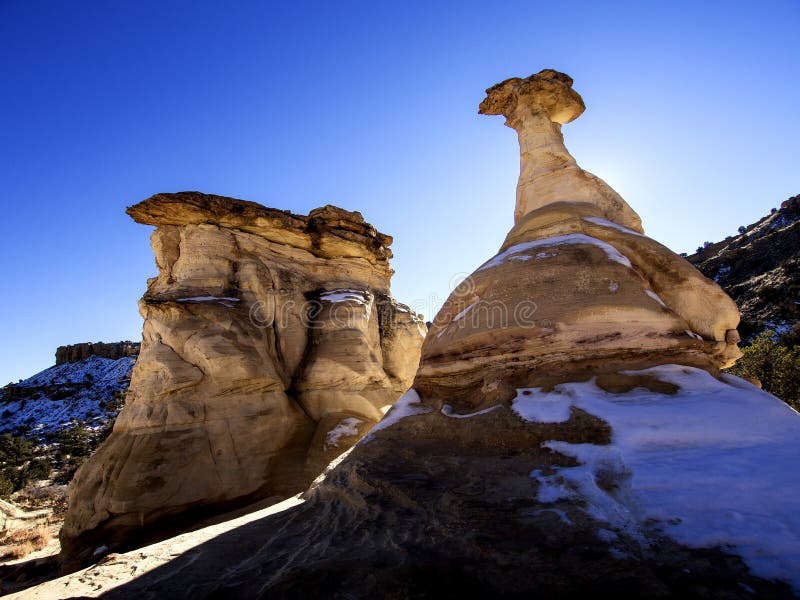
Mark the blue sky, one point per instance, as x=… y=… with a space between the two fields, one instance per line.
x=692 y=116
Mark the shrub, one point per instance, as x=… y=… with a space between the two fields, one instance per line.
x=75 y=441
x=22 y=542
x=742 y=229
x=775 y=365
x=38 y=468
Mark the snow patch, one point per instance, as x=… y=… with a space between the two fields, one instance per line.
x=464 y=312
x=401 y=409
x=447 y=411
x=345 y=428
x=655 y=297
x=712 y=465
x=607 y=223
x=346 y=295
x=208 y=299
x=561 y=240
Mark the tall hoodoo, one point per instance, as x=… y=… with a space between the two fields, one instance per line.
x=270 y=345
x=536 y=107
x=575 y=287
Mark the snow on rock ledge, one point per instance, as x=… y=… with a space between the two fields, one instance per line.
x=712 y=465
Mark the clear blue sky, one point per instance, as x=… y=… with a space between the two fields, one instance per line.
x=692 y=116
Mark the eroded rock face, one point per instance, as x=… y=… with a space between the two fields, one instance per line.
x=270 y=345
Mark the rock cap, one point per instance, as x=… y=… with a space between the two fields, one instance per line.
x=548 y=90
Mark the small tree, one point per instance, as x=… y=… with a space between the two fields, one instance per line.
x=75 y=441
x=742 y=229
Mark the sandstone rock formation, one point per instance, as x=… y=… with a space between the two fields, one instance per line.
x=270 y=345
x=568 y=434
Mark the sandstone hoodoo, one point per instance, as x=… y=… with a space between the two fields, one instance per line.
x=568 y=434
x=270 y=345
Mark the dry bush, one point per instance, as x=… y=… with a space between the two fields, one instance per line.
x=22 y=542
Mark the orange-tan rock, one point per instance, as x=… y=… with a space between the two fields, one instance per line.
x=576 y=288
x=270 y=345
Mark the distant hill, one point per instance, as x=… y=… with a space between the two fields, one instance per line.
x=89 y=390
x=760 y=269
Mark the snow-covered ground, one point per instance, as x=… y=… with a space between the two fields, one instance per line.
x=714 y=465
x=49 y=400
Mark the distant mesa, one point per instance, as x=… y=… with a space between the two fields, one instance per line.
x=77 y=352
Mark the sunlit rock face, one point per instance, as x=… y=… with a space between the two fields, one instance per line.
x=576 y=288
x=270 y=345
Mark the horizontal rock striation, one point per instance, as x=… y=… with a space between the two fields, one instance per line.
x=270 y=345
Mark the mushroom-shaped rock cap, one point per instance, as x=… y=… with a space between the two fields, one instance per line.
x=547 y=90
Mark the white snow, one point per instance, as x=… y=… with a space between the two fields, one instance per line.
x=613 y=287
x=713 y=465
x=655 y=297
x=346 y=295
x=447 y=411
x=208 y=299
x=345 y=427
x=401 y=409
x=542 y=255
x=694 y=335
x=561 y=240
x=607 y=223
x=464 y=312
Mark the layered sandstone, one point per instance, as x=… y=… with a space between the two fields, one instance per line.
x=270 y=345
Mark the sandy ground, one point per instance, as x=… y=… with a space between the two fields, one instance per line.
x=117 y=569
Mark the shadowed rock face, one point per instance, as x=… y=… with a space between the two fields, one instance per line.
x=270 y=345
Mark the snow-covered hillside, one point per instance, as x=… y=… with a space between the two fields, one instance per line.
x=50 y=400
